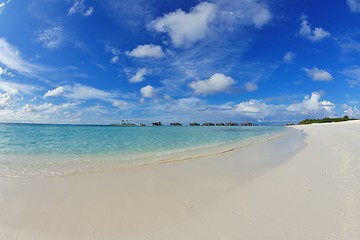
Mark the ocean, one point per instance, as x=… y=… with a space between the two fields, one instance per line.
x=39 y=150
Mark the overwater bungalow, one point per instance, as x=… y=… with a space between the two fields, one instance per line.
x=232 y=124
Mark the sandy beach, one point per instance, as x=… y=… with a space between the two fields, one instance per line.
x=305 y=185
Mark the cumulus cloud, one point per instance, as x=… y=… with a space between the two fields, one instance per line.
x=314 y=35
x=215 y=84
x=147 y=92
x=255 y=108
x=139 y=76
x=79 y=7
x=351 y=112
x=40 y=113
x=148 y=50
x=311 y=105
x=10 y=57
x=52 y=37
x=7 y=98
x=289 y=57
x=354 y=5
x=318 y=74
x=184 y=28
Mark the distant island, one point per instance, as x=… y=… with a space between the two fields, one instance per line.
x=325 y=120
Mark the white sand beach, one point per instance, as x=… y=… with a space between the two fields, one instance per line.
x=302 y=186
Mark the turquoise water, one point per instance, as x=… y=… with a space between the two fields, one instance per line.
x=46 y=150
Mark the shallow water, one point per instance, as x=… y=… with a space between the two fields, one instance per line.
x=48 y=150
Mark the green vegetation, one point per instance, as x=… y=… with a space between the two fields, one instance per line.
x=325 y=120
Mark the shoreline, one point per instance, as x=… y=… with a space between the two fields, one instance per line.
x=287 y=188
x=75 y=165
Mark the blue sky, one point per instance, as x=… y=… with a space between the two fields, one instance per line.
x=92 y=61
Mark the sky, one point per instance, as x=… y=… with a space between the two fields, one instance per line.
x=101 y=62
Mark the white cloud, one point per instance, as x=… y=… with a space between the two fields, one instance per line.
x=52 y=37
x=351 y=112
x=147 y=92
x=315 y=34
x=10 y=57
x=139 y=76
x=318 y=74
x=7 y=98
x=215 y=84
x=250 y=86
x=23 y=88
x=354 y=5
x=311 y=105
x=255 y=108
x=114 y=59
x=5 y=72
x=148 y=50
x=3 y=5
x=80 y=92
x=184 y=28
x=243 y=12
x=79 y=7
x=55 y=92
x=47 y=108
x=289 y=57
